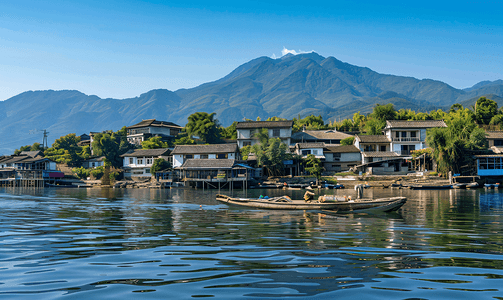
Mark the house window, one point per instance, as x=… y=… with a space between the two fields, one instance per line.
x=315 y=152
x=203 y=156
x=131 y=160
x=147 y=171
x=498 y=142
x=337 y=157
x=275 y=132
x=149 y=161
x=404 y=134
x=246 y=143
x=140 y=161
x=383 y=148
x=188 y=156
x=412 y=134
x=306 y=152
x=222 y=156
x=93 y=165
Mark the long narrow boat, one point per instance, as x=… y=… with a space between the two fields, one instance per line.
x=335 y=204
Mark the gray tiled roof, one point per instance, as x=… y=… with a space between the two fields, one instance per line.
x=320 y=135
x=264 y=124
x=31 y=153
x=492 y=135
x=380 y=154
x=414 y=124
x=342 y=149
x=154 y=123
x=146 y=152
x=208 y=164
x=373 y=138
x=309 y=145
x=205 y=149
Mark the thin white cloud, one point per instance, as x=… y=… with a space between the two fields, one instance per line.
x=286 y=51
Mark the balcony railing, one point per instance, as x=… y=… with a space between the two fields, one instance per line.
x=404 y=152
x=406 y=139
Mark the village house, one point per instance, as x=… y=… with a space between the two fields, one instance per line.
x=146 y=129
x=276 y=129
x=216 y=151
x=341 y=158
x=93 y=162
x=137 y=163
x=319 y=136
x=407 y=136
x=376 y=157
x=304 y=149
x=29 y=167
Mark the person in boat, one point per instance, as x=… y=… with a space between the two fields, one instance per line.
x=308 y=196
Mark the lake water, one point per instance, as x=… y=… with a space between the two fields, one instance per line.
x=182 y=244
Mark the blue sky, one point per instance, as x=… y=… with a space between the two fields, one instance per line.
x=120 y=49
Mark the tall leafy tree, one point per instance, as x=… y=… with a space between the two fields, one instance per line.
x=65 y=150
x=205 y=126
x=314 y=166
x=485 y=110
x=271 y=154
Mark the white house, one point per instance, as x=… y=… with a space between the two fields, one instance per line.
x=276 y=129
x=137 y=163
x=304 y=149
x=341 y=158
x=216 y=151
x=146 y=129
x=407 y=136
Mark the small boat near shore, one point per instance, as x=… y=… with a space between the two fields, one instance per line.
x=328 y=202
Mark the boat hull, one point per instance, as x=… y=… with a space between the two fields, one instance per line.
x=383 y=204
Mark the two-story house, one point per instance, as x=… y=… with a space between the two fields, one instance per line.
x=319 y=136
x=137 y=163
x=181 y=153
x=146 y=129
x=304 y=149
x=374 y=148
x=341 y=158
x=407 y=136
x=276 y=129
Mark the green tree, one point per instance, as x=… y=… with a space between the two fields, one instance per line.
x=81 y=172
x=65 y=150
x=374 y=126
x=314 y=166
x=159 y=165
x=184 y=140
x=154 y=142
x=348 y=141
x=270 y=155
x=203 y=125
x=230 y=132
x=105 y=144
x=452 y=145
x=384 y=112
x=34 y=147
x=245 y=152
x=485 y=110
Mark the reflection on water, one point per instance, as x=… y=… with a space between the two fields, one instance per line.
x=181 y=243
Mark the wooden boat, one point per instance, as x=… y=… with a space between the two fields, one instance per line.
x=332 y=203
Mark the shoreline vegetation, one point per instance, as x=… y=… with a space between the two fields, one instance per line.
x=449 y=147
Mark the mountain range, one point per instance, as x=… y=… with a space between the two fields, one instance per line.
x=286 y=87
